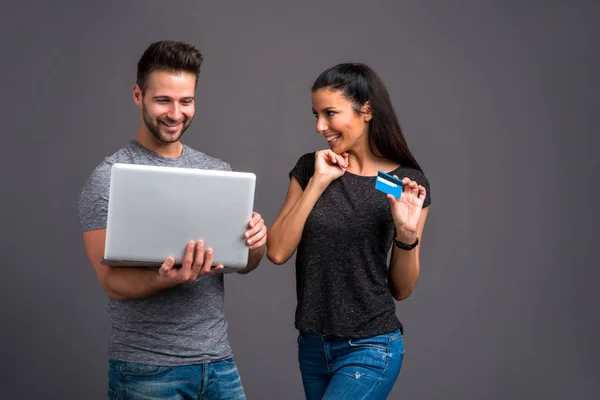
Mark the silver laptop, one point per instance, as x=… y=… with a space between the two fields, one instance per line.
x=154 y=211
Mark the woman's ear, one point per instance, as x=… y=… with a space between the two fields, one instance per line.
x=367 y=111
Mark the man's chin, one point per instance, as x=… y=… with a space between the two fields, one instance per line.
x=168 y=138
x=171 y=138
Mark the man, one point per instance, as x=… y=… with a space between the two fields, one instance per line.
x=168 y=335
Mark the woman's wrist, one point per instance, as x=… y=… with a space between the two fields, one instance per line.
x=318 y=183
x=406 y=237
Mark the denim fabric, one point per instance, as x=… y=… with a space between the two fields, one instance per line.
x=349 y=369
x=217 y=380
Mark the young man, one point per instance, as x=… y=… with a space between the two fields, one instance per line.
x=168 y=335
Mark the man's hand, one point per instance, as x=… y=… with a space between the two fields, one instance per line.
x=256 y=235
x=195 y=264
x=256 y=238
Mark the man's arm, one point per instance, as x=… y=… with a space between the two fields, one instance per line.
x=123 y=283
x=254 y=258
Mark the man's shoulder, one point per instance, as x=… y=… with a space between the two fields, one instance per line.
x=98 y=179
x=199 y=159
x=123 y=155
x=93 y=197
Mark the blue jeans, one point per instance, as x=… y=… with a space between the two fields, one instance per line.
x=349 y=369
x=217 y=380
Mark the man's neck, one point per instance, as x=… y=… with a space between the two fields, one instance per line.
x=167 y=150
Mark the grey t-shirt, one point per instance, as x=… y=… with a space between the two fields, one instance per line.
x=184 y=325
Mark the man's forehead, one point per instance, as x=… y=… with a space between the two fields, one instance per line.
x=171 y=84
x=170 y=94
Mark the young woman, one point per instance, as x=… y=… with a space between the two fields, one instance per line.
x=350 y=342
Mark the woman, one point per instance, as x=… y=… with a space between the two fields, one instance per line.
x=350 y=342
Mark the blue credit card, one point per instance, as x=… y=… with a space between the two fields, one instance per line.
x=388 y=184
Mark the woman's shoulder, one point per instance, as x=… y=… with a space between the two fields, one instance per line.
x=307 y=158
x=412 y=173
x=303 y=169
x=306 y=162
x=404 y=171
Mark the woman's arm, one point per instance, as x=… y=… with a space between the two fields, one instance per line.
x=405 y=264
x=285 y=233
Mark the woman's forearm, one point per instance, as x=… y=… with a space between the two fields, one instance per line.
x=285 y=234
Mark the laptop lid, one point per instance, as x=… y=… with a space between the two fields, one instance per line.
x=154 y=211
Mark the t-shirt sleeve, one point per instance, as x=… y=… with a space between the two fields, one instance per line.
x=304 y=169
x=419 y=177
x=225 y=166
x=93 y=199
x=422 y=180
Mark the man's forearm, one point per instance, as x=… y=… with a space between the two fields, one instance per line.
x=124 y=283
x=254 y=258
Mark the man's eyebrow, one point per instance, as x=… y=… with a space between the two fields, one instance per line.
x=161 y=96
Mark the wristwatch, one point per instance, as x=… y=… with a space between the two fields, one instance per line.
x=405 y=246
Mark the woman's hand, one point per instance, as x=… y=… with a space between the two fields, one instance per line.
x=329 y=166
x=406 y=211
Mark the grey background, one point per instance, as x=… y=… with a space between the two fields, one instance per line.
x=499 y=103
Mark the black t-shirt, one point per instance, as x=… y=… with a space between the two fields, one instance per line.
x=341 y=261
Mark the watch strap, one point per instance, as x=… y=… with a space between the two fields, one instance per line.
x=405 y=246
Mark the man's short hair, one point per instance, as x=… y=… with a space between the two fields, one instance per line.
x=168 y=55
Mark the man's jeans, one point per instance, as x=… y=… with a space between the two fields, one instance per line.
x=217 y=380
x=349 y=369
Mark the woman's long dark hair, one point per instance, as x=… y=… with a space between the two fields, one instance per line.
x=359 y=84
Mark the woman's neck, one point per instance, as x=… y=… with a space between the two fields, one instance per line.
x=366 y=163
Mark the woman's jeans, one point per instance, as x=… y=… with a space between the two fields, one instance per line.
x=349 y=369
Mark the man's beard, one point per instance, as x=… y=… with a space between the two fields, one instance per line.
x=154 y=128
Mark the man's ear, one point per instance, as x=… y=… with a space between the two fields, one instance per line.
x=137 y=94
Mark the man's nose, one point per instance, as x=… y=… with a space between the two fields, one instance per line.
x=174 y=112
